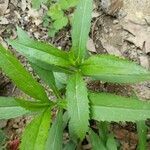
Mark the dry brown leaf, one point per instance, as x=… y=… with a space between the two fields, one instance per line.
x=23 y=5
x=140 y=36
x=3 y=6
x=90 y=45
x=110 y=48
x=3 y=21
x=144 y=61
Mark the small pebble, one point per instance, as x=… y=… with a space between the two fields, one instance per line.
x=116 y=21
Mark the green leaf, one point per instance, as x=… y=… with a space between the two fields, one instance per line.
x=111 y=143
x=40 y=51
x=114 y=69
x=142 y=134
x=37 y=3
x=48 y=77
x=24 y=81
x=3 y=137
x=109 y=107
x=33 y=105
x=9 y=108
x=70 y=146
x=49 y=67
x=78 y=105
x=36 y=133
x=65 y=119
x=55 y=137
x=61 y=79
x=96 y=142
x=81 y=27
x=103 y=131
x=60 y=23
x=55 y=12
x=66 y=4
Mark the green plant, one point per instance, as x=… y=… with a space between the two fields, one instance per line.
x=37 y=3
x=56 y=15
x=77 y=105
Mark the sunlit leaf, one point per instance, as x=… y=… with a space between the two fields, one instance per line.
x=142 y=135
x=109 y=107
x=24 y=81
x=81 y=28
x=9 y=108
x=78 y=105
x=40 y=51
x=37 y=3
x=36 y=133
x=114 y=69
x=55 y=137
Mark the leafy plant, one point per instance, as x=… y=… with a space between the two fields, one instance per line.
x=37 y=3
x=80 y=104
x=56 y=15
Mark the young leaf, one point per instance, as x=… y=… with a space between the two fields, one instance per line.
x=142 y=134
x=15 y=71
x=36 y=133
x=78 y=105
x=111 y=143
x=81 y=27
x=9 y=108
x=114 y=69
x=48 y=77
x=96 y=142
x=55 y=137
x=55 y=12
x=36 y=3
x=40 y=51
x=109 y=107
x=60 y=23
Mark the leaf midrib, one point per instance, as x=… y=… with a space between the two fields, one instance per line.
x=82 y=31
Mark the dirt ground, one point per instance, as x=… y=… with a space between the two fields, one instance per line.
x=125 y=33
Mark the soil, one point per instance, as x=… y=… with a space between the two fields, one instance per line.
x=125 y=33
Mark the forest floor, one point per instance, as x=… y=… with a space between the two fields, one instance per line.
x=125 y=35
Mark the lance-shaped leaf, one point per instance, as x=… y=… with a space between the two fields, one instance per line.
x=33 y=105
x=55 y=137
x=39 y=51
x=142 y=135
x=36 y=133
x=81 y=27
x=78 y=105
x=96 y=142
x=109 y=107
x=47 y=76
x=15 y=71
x=111 y=143
x=9 y=108
x=114 y=69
